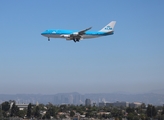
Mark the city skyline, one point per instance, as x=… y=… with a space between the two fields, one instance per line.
x=77 y=98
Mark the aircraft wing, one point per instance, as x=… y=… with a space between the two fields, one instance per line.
x=83 y=31
x=75 y=34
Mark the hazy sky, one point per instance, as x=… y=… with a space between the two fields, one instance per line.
x=131 y=60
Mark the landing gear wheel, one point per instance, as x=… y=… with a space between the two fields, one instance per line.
x=77 y=40
x=48 y=39
x=74 y=40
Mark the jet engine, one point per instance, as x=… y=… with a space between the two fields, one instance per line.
x=68 y=38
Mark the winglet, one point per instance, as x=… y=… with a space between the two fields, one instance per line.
x=109 y=27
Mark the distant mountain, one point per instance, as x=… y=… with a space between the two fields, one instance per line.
x=76 y=98
x=158 y=91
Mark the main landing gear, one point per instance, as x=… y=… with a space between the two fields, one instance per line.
x=48 y=39
x=76 y=40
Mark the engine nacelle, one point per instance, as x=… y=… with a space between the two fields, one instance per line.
x=68 y=38
x=65 y=36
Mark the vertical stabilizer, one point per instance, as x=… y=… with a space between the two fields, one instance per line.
x=109 y=27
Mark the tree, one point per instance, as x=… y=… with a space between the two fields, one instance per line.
x=151 y=111
x=47 y=115
x=129 y=110
x=162 y=113
x=72 y=113
x=51 y=112
x=5 y=106
x=143 y=117
x=22 y=113
x=1 y=115
x=130 y=116
x=136 y=118
x=143 y=106
x=116 y=113
x=37 y=112
x=29 y=111
x=14 y=110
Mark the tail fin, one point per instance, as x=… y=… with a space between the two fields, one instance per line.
x=109 y=27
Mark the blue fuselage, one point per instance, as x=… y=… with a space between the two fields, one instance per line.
x=61 y=33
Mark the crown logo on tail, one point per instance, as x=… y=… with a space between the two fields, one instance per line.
x=108 y=28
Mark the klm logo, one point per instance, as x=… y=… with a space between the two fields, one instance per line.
x=108 y=28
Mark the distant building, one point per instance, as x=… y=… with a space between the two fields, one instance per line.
x=109 y=104
x=102 y=104
x=115 y=104
x=94 y=104
x=121 y=104
x=135 y=104
x=87 y=102
x=22 y=106
x=70 y=99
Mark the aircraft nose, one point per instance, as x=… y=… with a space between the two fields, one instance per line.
x=48 y=32
x=43 y=33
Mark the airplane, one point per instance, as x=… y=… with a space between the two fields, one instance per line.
x=76 y=36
